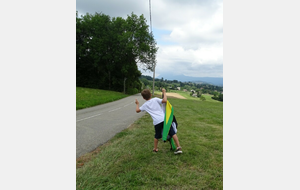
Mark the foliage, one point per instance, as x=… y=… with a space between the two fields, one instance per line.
x=132 y=91
x=109 y=49
x=188 y=86
x=198 y=94
x=127 y=160
x=221 y=97
x=202 y=98
x=218 y=96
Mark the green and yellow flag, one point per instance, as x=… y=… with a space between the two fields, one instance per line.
x=168 y=123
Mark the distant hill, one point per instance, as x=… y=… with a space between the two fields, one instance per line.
x=217 y=81
x=210 y=80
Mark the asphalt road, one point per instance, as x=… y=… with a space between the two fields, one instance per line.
x=96 y=125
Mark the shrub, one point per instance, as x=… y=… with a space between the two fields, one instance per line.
x=221 y=97
x=202 y=98
x=132 y=91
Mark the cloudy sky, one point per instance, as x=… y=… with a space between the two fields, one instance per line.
x=189 y=33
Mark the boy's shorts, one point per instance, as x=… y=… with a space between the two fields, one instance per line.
x=159 y=129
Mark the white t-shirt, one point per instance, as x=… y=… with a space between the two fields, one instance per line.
x=154 y=108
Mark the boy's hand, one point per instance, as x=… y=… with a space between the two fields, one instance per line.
x=164 y=100
x=137 y=109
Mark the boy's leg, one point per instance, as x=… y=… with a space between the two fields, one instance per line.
x=155 y=143
x=158 y=129
x=178 y=149
x=176 y=140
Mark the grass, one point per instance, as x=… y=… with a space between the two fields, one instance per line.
x=87 y=97
x=187 y=96
x=127 y=160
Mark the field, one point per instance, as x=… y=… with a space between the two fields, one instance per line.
x=187 y=96
x=127 y=160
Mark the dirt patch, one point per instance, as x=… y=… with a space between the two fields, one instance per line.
x=174 y=95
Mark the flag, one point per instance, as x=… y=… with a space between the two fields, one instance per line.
x=168 y=123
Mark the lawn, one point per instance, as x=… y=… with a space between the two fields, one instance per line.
x=87 y=97
x=127 y=160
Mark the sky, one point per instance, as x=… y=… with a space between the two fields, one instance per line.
x=189 y=34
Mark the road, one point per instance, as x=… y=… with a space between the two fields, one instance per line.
x=96 y=125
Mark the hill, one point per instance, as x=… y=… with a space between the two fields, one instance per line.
x=217 y=81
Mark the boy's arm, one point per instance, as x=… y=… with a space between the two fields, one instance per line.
x=165 y=96
x=137 y=109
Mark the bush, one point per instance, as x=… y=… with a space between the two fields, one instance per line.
x=132 y=91
x=215 y=98
x=221 y=97
x=198 y=94
x=202 y=98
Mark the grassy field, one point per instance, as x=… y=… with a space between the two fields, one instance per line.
x=127 y=160
x=187 y=95
x=87 y=97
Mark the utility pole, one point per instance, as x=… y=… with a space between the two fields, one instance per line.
x=153 y=66
x=124 y=84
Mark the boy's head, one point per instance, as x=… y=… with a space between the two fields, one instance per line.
x=146 y=94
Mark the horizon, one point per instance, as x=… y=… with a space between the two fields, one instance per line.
x=217 y=81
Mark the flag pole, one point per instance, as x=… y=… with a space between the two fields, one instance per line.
x=153 y=66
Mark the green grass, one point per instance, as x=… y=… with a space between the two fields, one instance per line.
x=127 y=160
x=187 y=96
x=87 y=97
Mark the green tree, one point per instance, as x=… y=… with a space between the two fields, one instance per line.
x=198 y=94
x=221 y=97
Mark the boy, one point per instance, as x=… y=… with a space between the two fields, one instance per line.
x=154 y=107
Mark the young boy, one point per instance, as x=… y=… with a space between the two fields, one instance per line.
x=154 y=107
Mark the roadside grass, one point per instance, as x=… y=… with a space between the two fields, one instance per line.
x=87 y=97
x=127 y=160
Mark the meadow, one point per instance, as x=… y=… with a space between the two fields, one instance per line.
x=188 y=96
x=127 y=160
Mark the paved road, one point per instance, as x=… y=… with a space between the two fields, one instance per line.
x=96 y=125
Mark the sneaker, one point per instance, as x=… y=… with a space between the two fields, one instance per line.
x=178 y=150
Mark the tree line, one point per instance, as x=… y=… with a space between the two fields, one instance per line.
x=192 y=87
x=109 y=51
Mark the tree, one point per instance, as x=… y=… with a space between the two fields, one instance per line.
x=198 y=94
x=221 y=97
x=141 y=42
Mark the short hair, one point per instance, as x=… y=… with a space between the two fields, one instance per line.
x=146 y=94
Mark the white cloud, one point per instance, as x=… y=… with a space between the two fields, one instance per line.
x=191 y=62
